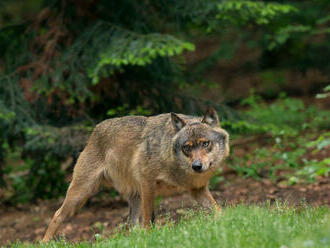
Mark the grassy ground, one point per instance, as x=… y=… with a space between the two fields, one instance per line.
x=239 y=226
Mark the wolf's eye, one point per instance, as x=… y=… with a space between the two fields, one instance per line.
x=205 y=143
x=186 y=148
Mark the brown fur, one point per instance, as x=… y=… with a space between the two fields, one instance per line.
x=143 y=157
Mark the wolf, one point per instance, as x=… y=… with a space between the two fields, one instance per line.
x=143 y=157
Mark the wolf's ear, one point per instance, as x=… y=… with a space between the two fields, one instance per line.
x=177 y=122
x=211 y=118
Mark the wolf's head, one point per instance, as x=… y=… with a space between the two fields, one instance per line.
x=199 y=145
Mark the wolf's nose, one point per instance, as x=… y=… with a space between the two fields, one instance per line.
x=197 y=166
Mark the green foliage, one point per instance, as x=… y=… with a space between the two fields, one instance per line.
x=267 y=162
x=6 y=119
x=316 y=167
x=123 y=48
x=320 y=143
x=314 y=25
x=239 y=226
x=306 y=35
x=284 y=34
x=285 y=122
x=37 y=179
x=285 y=116
x=125 y=110
x=325 y=94
x=244 y=12
x=313 y=169
x=46 y=151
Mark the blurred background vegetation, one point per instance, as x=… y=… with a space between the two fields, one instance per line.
x=67 y=65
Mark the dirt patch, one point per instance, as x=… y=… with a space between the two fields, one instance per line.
x=103 y=214
x=236 y=189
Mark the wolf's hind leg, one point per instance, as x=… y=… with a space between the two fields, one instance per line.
x=80 y=189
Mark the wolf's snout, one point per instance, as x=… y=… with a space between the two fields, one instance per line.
x=197 y=166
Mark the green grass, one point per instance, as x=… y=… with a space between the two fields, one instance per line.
x=239 y=226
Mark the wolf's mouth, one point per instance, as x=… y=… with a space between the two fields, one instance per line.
x=200 y=171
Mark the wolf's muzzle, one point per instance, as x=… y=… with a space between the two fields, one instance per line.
x=197 y=166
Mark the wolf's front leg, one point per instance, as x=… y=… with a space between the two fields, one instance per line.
x=204 y=197
x=134 y=202
x=147 y=198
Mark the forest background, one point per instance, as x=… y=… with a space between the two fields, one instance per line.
x=67 y=65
